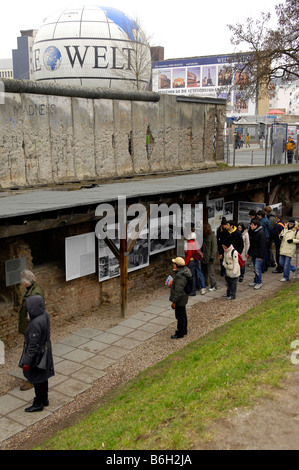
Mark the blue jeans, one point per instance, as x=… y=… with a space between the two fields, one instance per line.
x=285 y=262
x=200 y=280
x=258 y=270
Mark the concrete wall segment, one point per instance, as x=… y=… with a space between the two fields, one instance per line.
x=48 y=138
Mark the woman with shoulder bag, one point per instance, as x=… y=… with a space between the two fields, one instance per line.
x=37 y=360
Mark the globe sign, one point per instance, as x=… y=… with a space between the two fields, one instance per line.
x=92 y=46
x=52 y=58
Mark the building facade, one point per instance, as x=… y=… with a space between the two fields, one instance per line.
x=22 y=56
x=6 y=68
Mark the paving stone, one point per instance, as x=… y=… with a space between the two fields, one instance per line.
x=28 y=419
x=153 y=309
x=26 y=395
x=9 y=403
x=8 y=428
x=74 y=340
x=151 y=328
x=161 y=303
x=59 y=349
x=144 y=316
x=114 y=352
x=57 y=379
x=127 y=343
x=88 y=374
x=78 y=355
x=94 y=346
x=72 y=387
x=100 y=362
x=18 y=373
x=88 y=332
x=57 y=400
x=141 y=335
x=163 y=321
x=106 y=337
x=133 y=323
x=67 y=367
x=120 y=330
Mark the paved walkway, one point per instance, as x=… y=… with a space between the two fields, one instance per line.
x=84 y=357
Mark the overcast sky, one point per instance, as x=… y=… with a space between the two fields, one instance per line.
x=184 y=28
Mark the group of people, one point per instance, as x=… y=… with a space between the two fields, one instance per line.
x=235 y=244
x=239 y=140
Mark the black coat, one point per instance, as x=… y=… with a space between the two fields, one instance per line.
x=258 y=245
x=37 y=334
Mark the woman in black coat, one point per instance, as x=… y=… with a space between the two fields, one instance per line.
x=37 y=359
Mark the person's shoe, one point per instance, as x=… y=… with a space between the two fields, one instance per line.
x=192 y=295
x=34 y=408
x=283 y=279
x=277 y=271
x=26 y=386
x=230 y=297
x=252 y=284
x=46 y=403
x=241 y=279
x=224 y=295
x=258 y=286
x=176 y=336
x=212 y=288
x=203 y=291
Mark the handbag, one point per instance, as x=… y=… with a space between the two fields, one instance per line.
x=42 y=361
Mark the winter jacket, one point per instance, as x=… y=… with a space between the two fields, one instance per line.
x=288 y=249
x=177 y=292
x=191 y=246
x=246 y=243
x=37 y=335
x=235 y=239
x=276 y=231
x=272 y=219
x=258 y=245
x=221 y=235
x=209 y=248
x=231 y=262
x=34 y=289
x=265 y=223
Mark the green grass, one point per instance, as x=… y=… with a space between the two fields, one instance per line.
x=170 y=405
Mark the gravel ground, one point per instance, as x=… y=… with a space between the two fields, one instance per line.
x=202 y=318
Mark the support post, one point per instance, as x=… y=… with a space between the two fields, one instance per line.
x=123 y=263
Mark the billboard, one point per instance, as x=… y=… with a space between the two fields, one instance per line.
x=213 y=76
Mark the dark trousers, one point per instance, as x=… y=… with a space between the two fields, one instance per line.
x=231 y=286
x=41 y=393
x=181 y=316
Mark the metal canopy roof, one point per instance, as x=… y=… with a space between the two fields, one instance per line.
x=42 y=201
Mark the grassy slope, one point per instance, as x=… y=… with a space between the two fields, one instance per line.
x=170 y=405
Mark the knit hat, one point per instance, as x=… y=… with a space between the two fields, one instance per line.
x=179 y=261
x=291 y=221
x=192 y=236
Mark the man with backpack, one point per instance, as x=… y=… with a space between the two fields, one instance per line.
x=178 y=295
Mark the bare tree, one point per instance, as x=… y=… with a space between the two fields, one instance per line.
x=135 y=53
x=273 y=52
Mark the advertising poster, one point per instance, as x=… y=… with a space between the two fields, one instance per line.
x=214 y=76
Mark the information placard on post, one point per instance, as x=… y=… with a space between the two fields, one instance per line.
x=13 y=269
x=80 y=256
